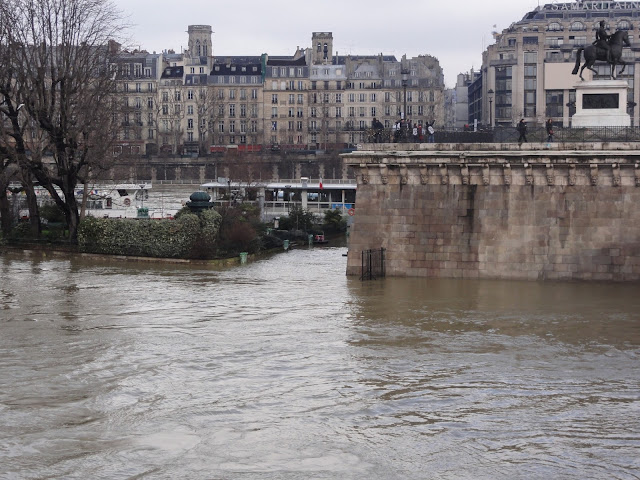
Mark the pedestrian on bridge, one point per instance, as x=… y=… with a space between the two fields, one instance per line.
x=522 y=130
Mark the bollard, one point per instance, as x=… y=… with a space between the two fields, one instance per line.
x=243 y=258
x=286 y=244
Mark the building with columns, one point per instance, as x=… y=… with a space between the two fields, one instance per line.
x=526 y=73
x=194 y=102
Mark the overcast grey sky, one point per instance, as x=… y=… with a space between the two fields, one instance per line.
x=454 y=31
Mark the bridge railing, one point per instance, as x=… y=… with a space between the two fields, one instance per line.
x=535 y=134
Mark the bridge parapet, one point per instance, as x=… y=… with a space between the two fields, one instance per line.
x=577 y=167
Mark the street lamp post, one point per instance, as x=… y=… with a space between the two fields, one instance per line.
x=490 y=94
x=405 y=80
x=287 y=192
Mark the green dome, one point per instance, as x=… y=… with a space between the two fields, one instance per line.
x=200 y=196
x=199 y=201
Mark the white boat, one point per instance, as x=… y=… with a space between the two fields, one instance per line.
x=121 y=200
x=117 y=200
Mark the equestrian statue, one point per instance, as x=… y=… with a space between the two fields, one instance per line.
x=606 y=48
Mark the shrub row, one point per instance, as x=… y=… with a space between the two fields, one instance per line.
x=188 y=236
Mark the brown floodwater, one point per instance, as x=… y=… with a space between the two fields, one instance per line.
x=285 y=368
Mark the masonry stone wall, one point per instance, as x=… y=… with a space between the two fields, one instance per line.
x=530 y=215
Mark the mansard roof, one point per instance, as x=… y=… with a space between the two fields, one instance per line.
x=237 y=60
x=236 y=66
x=172 y=72
x=286 y=62
x=343 y=58
x=196 y=79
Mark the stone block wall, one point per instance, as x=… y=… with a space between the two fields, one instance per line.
x=539 y=215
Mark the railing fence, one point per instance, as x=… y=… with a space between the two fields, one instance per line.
x=505 y=134
x=373 y=264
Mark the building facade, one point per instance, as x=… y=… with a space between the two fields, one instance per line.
x=463 y=115
x=196 y=103
x=526 y=73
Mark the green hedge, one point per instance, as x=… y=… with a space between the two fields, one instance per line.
x=188 y=236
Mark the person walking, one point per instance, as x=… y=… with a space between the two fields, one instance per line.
x=396 y=131
x=522 y=130
x=377 y=130
x=431 y=131
x=549 y=126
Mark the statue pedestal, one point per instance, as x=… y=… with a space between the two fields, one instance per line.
x=601 y=103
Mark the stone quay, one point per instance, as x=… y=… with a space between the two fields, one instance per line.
x=540 y=212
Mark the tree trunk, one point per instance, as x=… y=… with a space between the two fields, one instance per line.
x=7 y=216
x=73 y=226
x=32 y=204
x=71 y=213
x=5 y=212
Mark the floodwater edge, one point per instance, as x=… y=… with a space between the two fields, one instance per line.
x=56 y=252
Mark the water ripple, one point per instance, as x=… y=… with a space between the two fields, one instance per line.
x=285 y=368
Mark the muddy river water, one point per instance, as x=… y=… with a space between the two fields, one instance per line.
x=286 y=369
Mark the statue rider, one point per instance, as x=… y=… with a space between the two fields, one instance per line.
x=602 y=40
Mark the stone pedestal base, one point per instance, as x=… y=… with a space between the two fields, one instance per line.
x=601 y=103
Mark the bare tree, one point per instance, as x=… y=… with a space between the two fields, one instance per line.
x=323 y=103
x=62 y=51
x=8 y=172
x=208 y=112
x=14 y=131
x=170 y=115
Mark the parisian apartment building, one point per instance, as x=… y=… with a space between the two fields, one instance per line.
x=526 y=73
x=194 y=102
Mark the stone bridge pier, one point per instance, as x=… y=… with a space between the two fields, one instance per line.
x=569 y=212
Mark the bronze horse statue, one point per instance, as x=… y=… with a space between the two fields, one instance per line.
x=592 y=53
